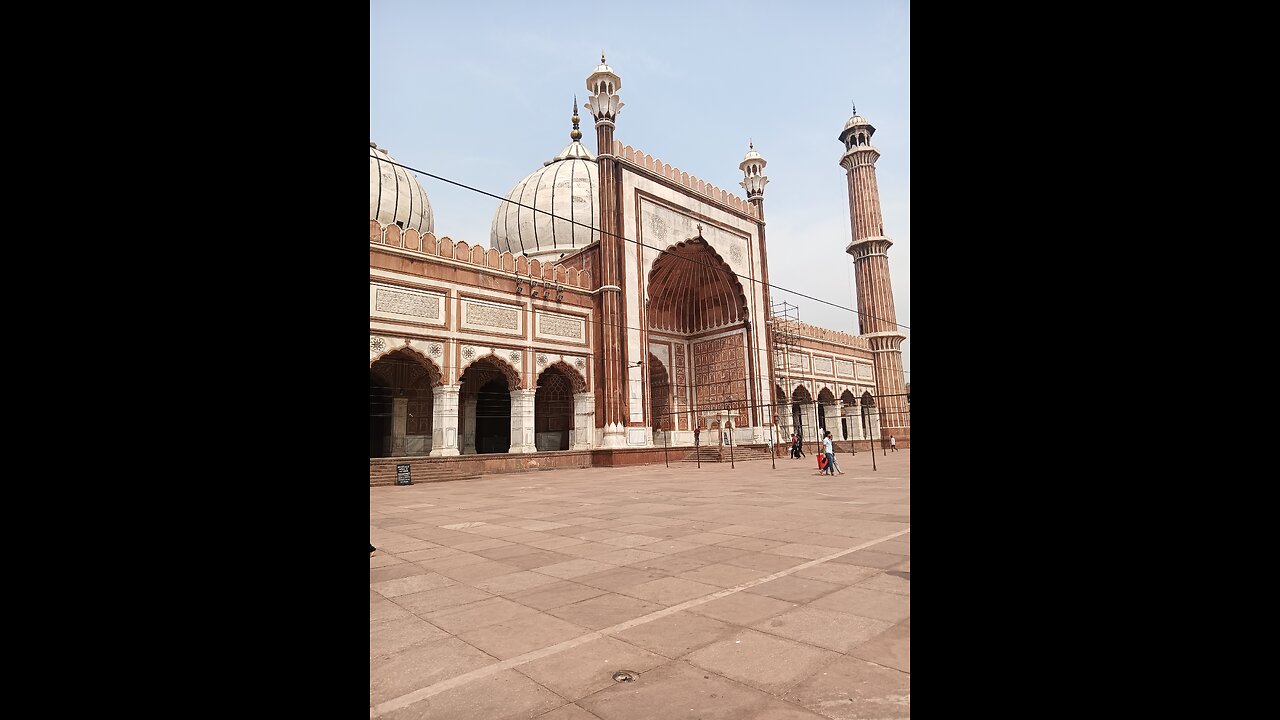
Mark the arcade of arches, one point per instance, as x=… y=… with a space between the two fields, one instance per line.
x=494 y=414
x=856 y=416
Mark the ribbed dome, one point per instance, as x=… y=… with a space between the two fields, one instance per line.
x=856 y=120
x=395 y=196
x=567 y=186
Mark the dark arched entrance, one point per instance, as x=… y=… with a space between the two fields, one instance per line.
x=553 y=410
x=825 y=400
x=493 y=418
x=485 y=411
x=846 y=400
x=800 y=401
x=400 y=404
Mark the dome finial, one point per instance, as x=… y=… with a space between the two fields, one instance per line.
x=855 y=107
x=575 y=134
x=750 y=145
x=602 y=57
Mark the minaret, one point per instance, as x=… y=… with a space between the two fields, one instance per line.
x=753 y=177
x=753 y=181
x=869 y=247
x=611 y=331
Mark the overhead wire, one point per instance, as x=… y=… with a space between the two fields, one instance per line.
x=637 y=242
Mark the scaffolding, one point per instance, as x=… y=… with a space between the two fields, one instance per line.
x=784 y=321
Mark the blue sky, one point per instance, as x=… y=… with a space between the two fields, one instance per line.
x=481 y=93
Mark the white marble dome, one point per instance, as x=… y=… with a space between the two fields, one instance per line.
x=567 y=186
x=395 y=196
x=855 y=121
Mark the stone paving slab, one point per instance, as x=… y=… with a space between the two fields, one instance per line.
x=517 y=596
x=828 y=629
x=519 y=635
x=677 y=635
x=853 y=689
x=418 y=666
x=430 y=601
x=556 y=594
x=762 y=661
x=891 y=648
x=589 y=668
x=605 y=611
x=568 y=712
x=507 y=695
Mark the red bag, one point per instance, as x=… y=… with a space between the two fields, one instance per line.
x=822 y=461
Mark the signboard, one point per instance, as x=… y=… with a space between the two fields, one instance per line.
x=403 y=476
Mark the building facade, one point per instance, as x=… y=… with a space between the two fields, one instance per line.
x=622 y=305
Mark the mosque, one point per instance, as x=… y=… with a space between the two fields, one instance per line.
x=620 y=311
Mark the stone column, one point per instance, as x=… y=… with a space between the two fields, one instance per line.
x=444 y=421
x=469 y=425
x=399 y=423
x=522 y=440
x=584 y=410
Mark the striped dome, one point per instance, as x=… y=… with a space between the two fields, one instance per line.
x=567 y=186
x=395 y=195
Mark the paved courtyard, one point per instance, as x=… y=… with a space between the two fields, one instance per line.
x=734 y=594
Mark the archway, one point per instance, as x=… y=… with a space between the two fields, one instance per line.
x=692 y=291
x=801 y=400
x=846 y=401
x=825 y=399
x=485 y=415
x=868 y=408
x=660 y=418
x=780 y=414
x=553 y=410
x=400 y=404
x=493 y=418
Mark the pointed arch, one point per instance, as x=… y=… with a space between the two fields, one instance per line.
x=692 y=289
x=576 y=379
x=411 y=353
x=500 y=364
x=553 y=420
x=401 y=381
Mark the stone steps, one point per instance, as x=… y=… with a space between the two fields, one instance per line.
x=741 y=453
x=382 y=471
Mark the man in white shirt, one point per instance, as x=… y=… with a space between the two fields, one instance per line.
x=830 y=469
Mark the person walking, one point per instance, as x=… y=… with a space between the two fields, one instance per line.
x=893 y=443
x=831 y=457
x=799 y=445
x=830 y=468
